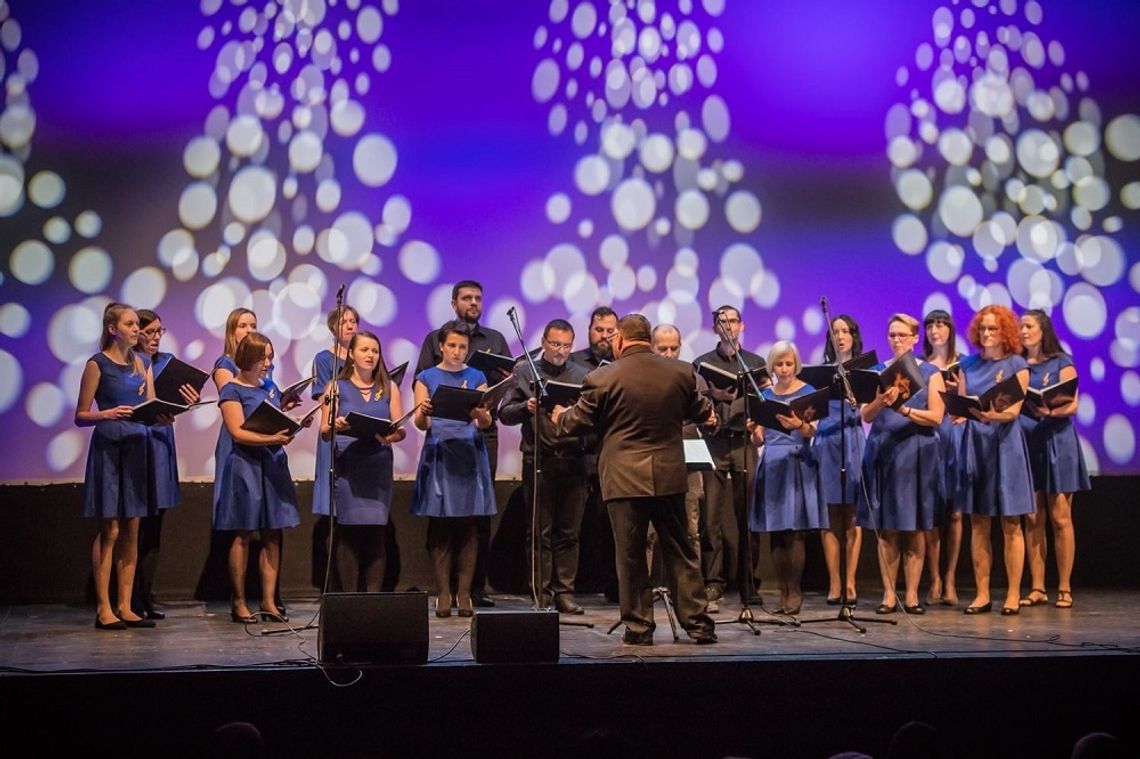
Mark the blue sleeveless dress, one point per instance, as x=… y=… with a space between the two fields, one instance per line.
x=323 y=371
x=454 y=475
x=363 y=466
x=119 y=480
x=826 y=445
x=164 y=457
x=993 y=462
x=787 y=493
x=1055 y=456
x=902 y=468
x=253 y=489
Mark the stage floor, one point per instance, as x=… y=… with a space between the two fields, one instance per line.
x=1026 y=685
x=61 y=638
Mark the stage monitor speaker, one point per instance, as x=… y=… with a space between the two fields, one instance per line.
x=505 y=637
x=373 y=628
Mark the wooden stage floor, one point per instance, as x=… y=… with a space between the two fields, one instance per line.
x=1060 y=666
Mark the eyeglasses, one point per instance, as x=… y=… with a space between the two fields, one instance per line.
x=154 y=332
x=559 y=346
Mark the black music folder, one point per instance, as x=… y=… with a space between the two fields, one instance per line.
x=901 y=372
x=824 y=375
x=724 y=379
x=486 y=361
x=148 y=412
x=396 y=376
x=1056 y=395
x=362 y=425
x=297 y=387
x=173 y=376
x=998 y=398
x=449 y=402
x=560 y=394
x=267 y=419
x=950 y=373
x=811 y=407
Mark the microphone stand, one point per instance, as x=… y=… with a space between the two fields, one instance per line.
x=744 y=534
x=332 y=398
x=539 y=390
x=842 y=384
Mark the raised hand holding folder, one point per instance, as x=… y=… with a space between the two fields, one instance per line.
x=168 y=383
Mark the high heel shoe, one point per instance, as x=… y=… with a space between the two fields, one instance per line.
x=887 y=608
x=466 y=609
x=443 y=607
x=275 y=616
x=985 y=608
x=252 y=619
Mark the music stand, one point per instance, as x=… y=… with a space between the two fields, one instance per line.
x=332 y=399
x=539 y=390
x=841 y=390
x=744 y=534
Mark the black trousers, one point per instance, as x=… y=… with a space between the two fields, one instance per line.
x=631 y=518
x=724 y=524
x=561 y=503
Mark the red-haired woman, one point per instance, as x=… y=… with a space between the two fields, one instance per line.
x=994 y=476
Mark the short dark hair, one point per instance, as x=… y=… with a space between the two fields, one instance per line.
x=733 y=309
x=635 y=327
x=250 y=350
x=465 y=283
x=455 y=326
x=601 y=312
x=559 y=324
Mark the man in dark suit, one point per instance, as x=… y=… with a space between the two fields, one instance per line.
x=467 y=300
x=637 y=406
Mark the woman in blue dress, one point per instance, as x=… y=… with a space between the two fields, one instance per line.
x=453 y=482
x=902 y=471
x=1055 y=458
x=787 y=498
x=841 y=503
x=253 y=490
x=119 y=480
x=164 y=460
x=239 y=323
x=940 y=349
x=993 y=462
x=324 y=364
x=363 y=464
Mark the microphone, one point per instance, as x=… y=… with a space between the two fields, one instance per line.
x=823 y=302
x=511 y=311
x=340 y=294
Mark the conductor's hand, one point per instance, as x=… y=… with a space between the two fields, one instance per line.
x=531 y=406
x=711 y=421
x=189 y=394
x=557 y=413
x=724 y=396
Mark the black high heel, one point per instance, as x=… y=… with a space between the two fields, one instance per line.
x=239 y=619
x=277 y=616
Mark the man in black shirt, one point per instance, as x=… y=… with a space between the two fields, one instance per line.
x=467 y=300
x=724 y=519
x=598 y=569
x=562 y=472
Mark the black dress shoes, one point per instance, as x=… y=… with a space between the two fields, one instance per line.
x=566 y=604
x=916 y=609
x=703 y=638
x=141 y=622
x=118 y=624
x=985 y=608
x=887 y=608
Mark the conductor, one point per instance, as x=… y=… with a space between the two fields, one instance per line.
x=636 y=406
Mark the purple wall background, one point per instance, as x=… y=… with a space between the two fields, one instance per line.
x=464 y=103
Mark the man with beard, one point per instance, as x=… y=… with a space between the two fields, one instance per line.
x=467 y=301
x=724 y=520
x=561 y=472
x=597 y=548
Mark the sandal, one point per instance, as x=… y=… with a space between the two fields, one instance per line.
x=1029 y=600
x=1064 y=599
